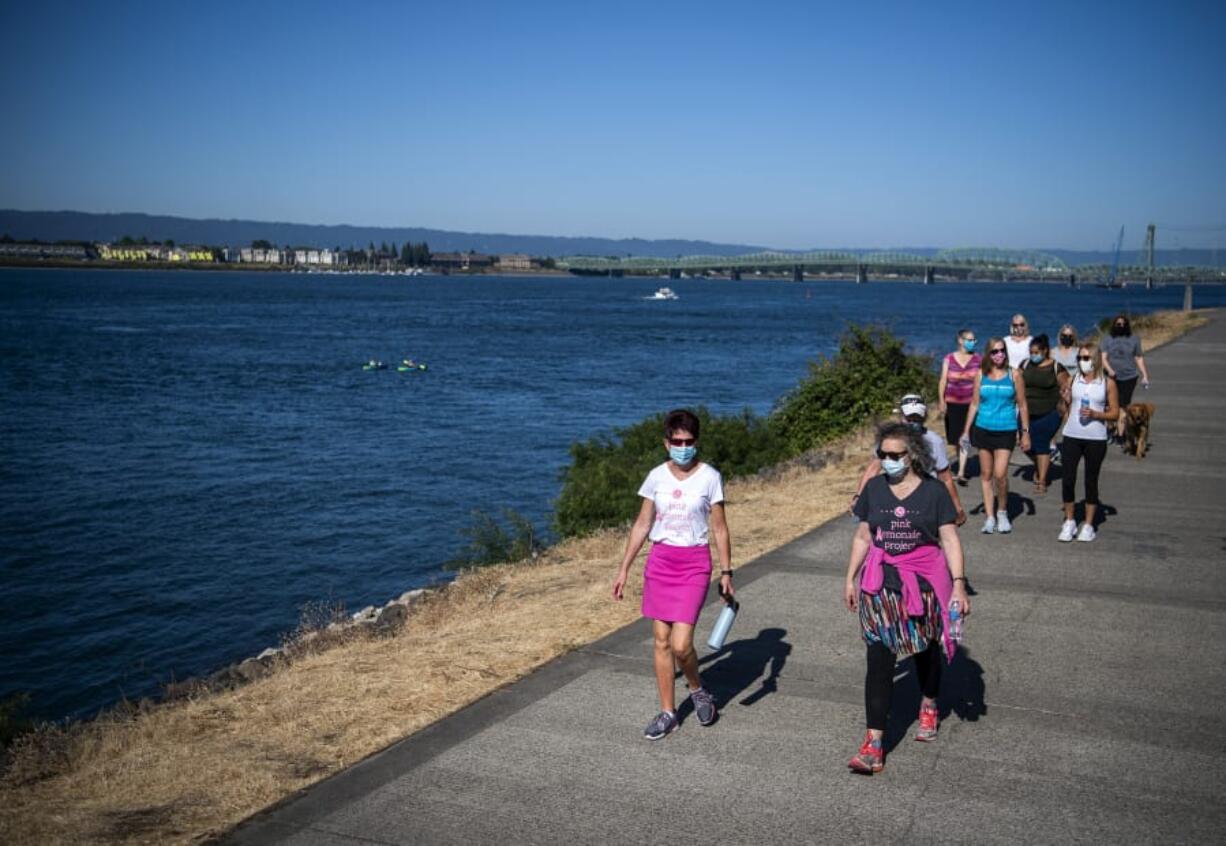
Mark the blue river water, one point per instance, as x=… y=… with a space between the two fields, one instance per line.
x=188 y=458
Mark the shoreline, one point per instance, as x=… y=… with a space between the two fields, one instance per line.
x=210 y=757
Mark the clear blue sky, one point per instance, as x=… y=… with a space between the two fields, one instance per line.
x=784 y=124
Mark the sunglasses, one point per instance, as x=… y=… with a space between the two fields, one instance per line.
x=998 y=352
x=896 y=456
x=1018 y=325
x=682 y=441
x=1085 y=358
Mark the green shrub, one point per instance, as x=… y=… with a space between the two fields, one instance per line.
x=489 y=542
x=865 y=379
x=600 y=487
x=13 y=720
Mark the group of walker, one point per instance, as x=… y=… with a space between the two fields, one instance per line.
x=1022 y=391
x=906 y=575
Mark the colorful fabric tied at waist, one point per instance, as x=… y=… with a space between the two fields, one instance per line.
x=927 y=561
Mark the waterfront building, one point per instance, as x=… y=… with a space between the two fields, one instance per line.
x=256 y=255
x=461 y=261
x=45 y=251
x=316 y=258
x=134 y=252
x=514 y=261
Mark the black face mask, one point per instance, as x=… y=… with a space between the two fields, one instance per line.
x=1066 y=340
x=1118 y=331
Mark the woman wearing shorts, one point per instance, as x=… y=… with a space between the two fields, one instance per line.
x=1040 y=376
x=958 y=371
x=1094 y=403
x=997 y=412
x=683 y=504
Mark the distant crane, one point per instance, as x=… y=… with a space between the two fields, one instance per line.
x=1115 y=263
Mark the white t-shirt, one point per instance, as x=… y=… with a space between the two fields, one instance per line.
x=936 y=446
x=682 y=505
x=1096 y=393
x=1018 y=350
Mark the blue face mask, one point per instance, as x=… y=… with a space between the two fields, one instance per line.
x=1036 y=358
x=682 y=455
x=969 y=346
x=894 y=467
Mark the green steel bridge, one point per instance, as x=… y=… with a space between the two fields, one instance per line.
x=987 y=263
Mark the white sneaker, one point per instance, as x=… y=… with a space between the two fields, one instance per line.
x=989 y=525
x=1087 y=533
x=1067 y=531
x=1002 y=523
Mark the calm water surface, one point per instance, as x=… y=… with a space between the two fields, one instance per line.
x=188 y=458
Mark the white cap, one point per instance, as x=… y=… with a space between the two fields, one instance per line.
x=913 y=404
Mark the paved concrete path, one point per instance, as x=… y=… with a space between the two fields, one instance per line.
x=1087 y=704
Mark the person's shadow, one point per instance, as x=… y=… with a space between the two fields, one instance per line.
x=728 y=672
x=962 y=693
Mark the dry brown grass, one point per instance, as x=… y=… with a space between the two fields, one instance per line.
x=192 y=768
x=1162 y=327
x=188 y=769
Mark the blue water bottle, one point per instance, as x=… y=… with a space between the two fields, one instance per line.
x=723 y=624
x=955 y=621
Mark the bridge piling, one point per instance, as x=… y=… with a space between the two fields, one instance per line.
x=1072 y=280
x=861 y=274
x=1187 y=296
x=734 y=274
x=929 y=275
x=674 y=273
x=798 y=273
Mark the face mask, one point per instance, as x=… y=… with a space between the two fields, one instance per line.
x=1066 y=340
x=1086 y=366
x=682 y=455
x=1036 y=358
x=1117 y=331
x=969 y=346
x=894 y=467
x=915 y=426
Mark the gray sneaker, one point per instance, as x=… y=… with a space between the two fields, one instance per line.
x=663 y=725
x=704 y=706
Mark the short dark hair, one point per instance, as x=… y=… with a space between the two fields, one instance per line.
x=1041 y=342
x=1127 y=323
x=681 y=419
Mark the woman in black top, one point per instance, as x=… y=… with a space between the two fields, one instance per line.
x=1040 y=375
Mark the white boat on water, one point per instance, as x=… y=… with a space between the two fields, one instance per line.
x=664 y=294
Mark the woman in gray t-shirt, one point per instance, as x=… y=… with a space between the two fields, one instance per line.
x=1123 y=362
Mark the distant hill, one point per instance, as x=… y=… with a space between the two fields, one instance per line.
x=85 y=226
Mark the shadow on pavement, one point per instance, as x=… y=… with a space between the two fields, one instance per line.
x=730 y=671
x=963 y=694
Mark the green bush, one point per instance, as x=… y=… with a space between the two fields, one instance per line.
x=489 y=542
x=865 y=379
x=600 y=487
x=13 y=720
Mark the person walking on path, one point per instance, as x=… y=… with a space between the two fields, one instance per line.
x=1123 y=362
x=914 y=414
x=1093 y=402
x=998 y=410
x=1065 y=352
x=683 y=505
x=1041 y=377
x=957 y=384
x=905 y=568
x=1018 y=341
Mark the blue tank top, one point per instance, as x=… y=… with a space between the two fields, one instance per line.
x=997 y=405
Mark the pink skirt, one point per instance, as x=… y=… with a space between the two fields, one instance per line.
x=675 y=582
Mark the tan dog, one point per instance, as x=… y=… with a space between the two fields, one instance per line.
x=1136 y=428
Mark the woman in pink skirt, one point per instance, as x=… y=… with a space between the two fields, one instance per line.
x=683 y=504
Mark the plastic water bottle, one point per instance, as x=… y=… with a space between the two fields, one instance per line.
x=955 y=621
x=723 y=624
x=1084 y=414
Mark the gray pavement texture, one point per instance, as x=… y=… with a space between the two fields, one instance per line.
x=1086 y=704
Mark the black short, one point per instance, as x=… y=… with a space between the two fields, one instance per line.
x=955 y=421
x=987 y=439
x=1126 y=387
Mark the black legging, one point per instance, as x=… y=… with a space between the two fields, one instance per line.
x=879 y=680
x=1071 y=452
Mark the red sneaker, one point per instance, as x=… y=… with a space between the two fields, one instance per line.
x=929 y=717
x=871 y=757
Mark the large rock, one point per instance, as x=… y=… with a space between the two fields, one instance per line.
x=393 y=617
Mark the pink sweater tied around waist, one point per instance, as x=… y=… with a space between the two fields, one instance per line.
x=927 y=561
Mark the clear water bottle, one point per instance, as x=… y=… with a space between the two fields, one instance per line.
x=1084 y=414
x=720 y=633
x=955 y=621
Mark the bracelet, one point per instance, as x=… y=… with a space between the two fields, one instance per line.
x=959 y=578
x=725 y=572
